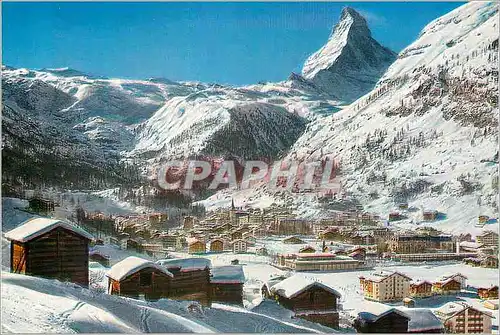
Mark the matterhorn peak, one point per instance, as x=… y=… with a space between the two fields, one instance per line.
x=351 y=62
x=354 y=19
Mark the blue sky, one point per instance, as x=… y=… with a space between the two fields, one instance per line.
x=229 y=43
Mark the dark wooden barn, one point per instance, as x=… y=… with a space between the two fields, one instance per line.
x=379 y=318
x=308 y=299
x=227 y=284
x=139 y=278
x=50 y=248
x=191 y=279
x=42 y=206
x=95 y=256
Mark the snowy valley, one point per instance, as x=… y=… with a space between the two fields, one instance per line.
x=415 y=136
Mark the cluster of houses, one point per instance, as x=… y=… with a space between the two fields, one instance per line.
x=318 y=302
x=179 y=279
x=385 y=286
x=452 y=317
x=52 y=248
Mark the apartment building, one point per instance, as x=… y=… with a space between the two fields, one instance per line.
x=488 y=238
x=385 y=286
x=458 y=317
x=416 y=244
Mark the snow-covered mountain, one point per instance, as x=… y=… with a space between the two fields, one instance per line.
x=351 y=62
x=146 y=121
x=426 y=134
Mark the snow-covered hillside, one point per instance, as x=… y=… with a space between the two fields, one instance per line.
x=426 y=134
x=67 y=308
x=351 y=62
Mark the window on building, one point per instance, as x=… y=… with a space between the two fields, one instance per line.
x=145 y=279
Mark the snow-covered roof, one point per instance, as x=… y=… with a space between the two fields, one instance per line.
x=473 y=245
x=419 y=282
x=185 y=264
x=422 y=319
x=372 y=311
x=379 y=276
x=451 y=308
x=297 y=284
x=39 y=226
x=451 y=276
x=131 y=265
x=228 y=274
x=97 y=252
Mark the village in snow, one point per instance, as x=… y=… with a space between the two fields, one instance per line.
x=407 y=243
x=349 y=273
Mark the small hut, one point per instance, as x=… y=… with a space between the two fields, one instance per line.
x=227 y=284
x=196 y=246
x=50 y=248
x=216 y=245
x=488 y=292
x=40 y=205
x=307 y=249
x=239 y=246
x=293 y=240
x=191 y=279
x=135 y=277
x=421 y=289
x=308 y=299
x=409 y=302
x=380 y=318
x=448 y=286
x=430 y=215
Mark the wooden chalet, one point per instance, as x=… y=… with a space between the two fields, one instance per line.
x=430 y=215
x=403 y=206
x=358 y=254
x=307 y=249
x=226 y=284
x=380 y=318
x=462 y=279
x=139 y=278
x=50 y=248
x=293 y=240
x=330 y=235
x=261 y=251
x=448 y=286
x=216 y=245
x=196 y=246
x=239 y=246
x=191 y=278
x=483 y=218
x=188 y=222
x=236 y=235
x=308 y=299
x=488 y=293
x=421 y=289
x=395 y=216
